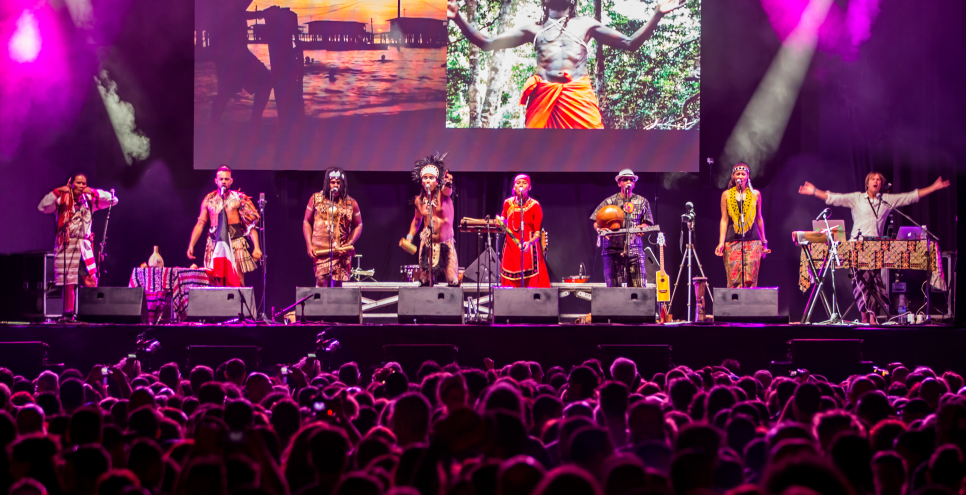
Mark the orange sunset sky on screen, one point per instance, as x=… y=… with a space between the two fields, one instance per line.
x=380 y=11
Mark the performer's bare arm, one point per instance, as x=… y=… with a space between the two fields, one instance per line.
x=809 y=189
x=761 y=227
x=511 y=39
x=256 y=250
x=448 y=185
x=356 y=224
x=417 y=220
x=722 y=225
x=197 y=231
x=939 y=184
x=307 y=221
x=616 y=39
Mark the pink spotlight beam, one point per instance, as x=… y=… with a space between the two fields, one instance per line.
x=25 y=42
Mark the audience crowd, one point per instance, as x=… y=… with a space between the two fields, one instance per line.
x=513 y=430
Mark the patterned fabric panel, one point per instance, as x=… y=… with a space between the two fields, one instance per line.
x=875 y=255
x=159 y=283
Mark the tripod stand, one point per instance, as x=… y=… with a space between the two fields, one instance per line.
x=688 y=220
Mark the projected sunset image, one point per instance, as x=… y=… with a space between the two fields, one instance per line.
x=284 y=59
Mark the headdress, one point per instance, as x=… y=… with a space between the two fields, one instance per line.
x=431 y=165
x=626 y=173
x=740 y=166
x=524 y=177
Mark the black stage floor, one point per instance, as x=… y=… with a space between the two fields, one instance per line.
x=754 y=345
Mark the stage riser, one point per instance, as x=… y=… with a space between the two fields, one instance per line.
x=754 y=346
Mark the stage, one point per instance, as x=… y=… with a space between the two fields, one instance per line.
x=755 y=346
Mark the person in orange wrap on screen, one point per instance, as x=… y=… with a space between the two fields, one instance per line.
x=526 y=240
x=560 y=95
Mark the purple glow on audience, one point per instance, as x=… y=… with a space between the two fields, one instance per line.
x=25 y=42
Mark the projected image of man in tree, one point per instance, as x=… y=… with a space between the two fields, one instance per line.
x=560 y=93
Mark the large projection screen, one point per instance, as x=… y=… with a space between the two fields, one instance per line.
x=371 y=85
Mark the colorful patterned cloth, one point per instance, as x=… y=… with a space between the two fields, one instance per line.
x=733 y=258
x=158 y=283
x=874 y=255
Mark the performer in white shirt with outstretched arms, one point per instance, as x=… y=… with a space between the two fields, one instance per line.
x=870 y=209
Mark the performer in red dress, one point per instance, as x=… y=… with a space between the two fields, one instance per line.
x=534 y=266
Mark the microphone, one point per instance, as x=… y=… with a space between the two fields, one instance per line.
x=222 y=190
x=820 y=215
x=888 y=187
x=112 y=191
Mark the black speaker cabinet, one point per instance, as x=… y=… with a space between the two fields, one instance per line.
x=759 y=304
x=835 y=358
x=213 y=355
x=112 y=305
x=24 y=358
x=331 y=304
x=412 y=356
x=216 y=304
x=623 y=305
x=650 y=359
x=519 y=305
x=440 y=304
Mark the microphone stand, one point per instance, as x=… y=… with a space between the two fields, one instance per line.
x=741 y=238
x=523 y=279
x=627 y=240
x=261 y=232
x=929 y=235
x=432 y=206
x=332 y=212
x=103 y=246
x=836 y=316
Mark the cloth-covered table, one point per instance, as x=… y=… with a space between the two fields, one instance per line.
x=158 y=283
x=875 y=255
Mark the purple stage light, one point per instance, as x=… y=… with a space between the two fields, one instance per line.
x=842 y=32
x=25 y=42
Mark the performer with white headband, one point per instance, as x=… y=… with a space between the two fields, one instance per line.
x=434 y=216
x=523 y=263
x=741 y=236
x=331 y=227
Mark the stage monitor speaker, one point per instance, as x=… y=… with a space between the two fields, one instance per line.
x=412 y=356
x=835 y=358
x=24 y=358
x=623 y=305
x=439 y=304
x=217 y=304
x=759 y=304
x=213 y=355
x=650 y=359
x=112 y=305
x=488 y=265
x=519 y=305
x=330 y=304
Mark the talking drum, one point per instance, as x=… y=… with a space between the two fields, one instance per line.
x=610 y=217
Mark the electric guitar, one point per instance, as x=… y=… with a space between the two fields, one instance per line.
x=662 y=282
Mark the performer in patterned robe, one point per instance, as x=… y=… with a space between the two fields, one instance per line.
x=242 y=217
x=528 y=242
x=741 y=233
x=434 y=204
x=74 y=244
x=331 y=226
x=638 y=213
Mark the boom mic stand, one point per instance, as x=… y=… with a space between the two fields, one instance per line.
x=103 y=246
x=261 y=233
x=689 y=218
x=929 y=235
